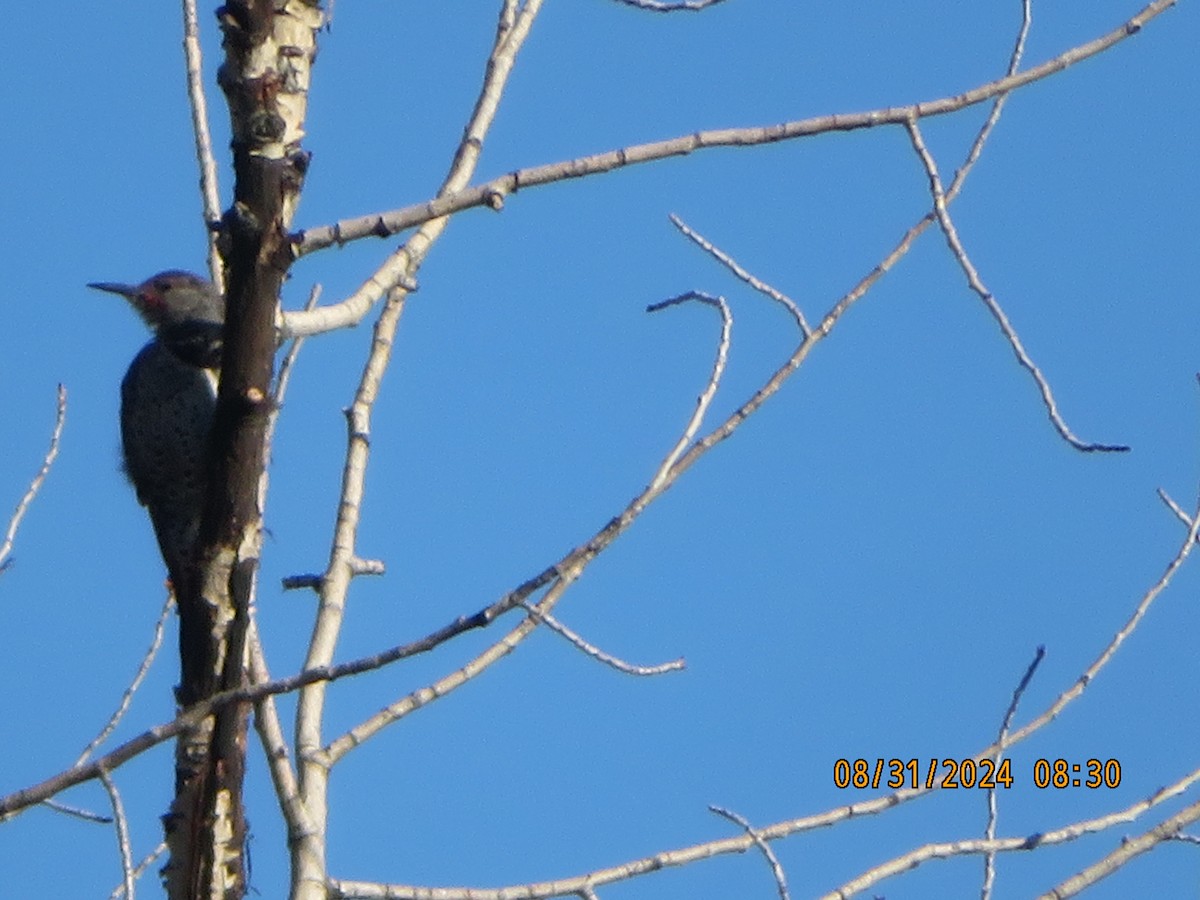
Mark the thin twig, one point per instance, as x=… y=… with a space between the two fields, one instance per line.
x=733 y=266
x=1174 y=507
x=210 y=194
x=140 y=869
x=595 y=652
x=1117 y=640
x=1186 y=838
x=704 y=400
x=10 y=534
x=138 y=677
x=772 y=860
x=989 y=832
x=76 y=812
x=122 y=826
x=284 y=376
x=665 y=6
x=310 y=580
x=266 y=715
x=270 y=733
x=1014 y=63
x=989 y=299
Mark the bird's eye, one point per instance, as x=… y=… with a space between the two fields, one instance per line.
x=162 y=286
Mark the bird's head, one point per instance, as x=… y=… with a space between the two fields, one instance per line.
x=184 y=311
x=170 y=298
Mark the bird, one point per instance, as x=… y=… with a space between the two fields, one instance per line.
x=168 y=398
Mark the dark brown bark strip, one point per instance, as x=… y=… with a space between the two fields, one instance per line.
x=269 y=46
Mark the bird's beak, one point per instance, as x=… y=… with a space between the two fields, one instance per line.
x=128 y=291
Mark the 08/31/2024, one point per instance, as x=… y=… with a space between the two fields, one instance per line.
x=915 y=774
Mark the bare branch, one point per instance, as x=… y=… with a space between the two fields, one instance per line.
x=492 y=194
x=274 y=744
x=511 y=33
x=566 y=572
x=856 y=293
x=266 y=715
x=563 y=887
x=394 y=279
x=772 y=860
x=1174 y=507
x=283 y=377
x=138 y=677
x=194 y=716
x=914 y=858
x=989 y=299
x=559 y=575
x=14 y=523
x=313 y=580
x=710 y=389
x=1019 y=692
x=508 y=18
x=1014 y=63
x=398 y=709
x=140 y=869
x=869 y=807
x=1186 y=839
x=595 y=652
x=1117 y=640
x=205 y=161
x=989 y=832
x=77 y=813
x=299 y=582
x=360 y=566
x=732 y=265
x=1129 y=848
x=122 y=826
x=671 y=5
x=396 y=275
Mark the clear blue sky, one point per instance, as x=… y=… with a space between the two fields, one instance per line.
x=863 y=571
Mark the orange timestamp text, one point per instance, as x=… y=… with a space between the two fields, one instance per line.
x=972 y=773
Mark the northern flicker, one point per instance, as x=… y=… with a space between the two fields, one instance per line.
x=167 y=400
